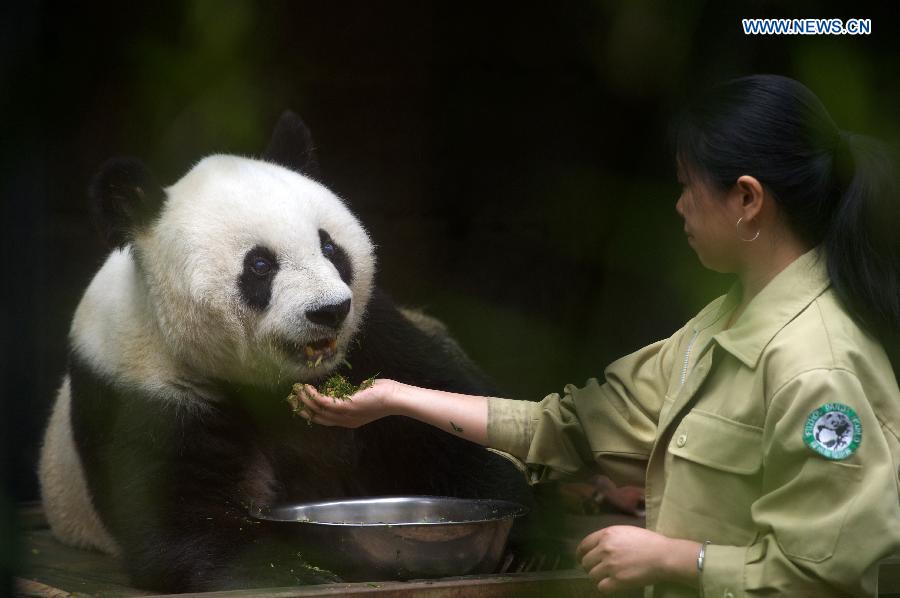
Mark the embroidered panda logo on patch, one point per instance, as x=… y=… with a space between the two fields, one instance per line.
x=833 y=430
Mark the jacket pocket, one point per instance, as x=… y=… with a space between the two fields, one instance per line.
x=717 y=442
x=714 y=475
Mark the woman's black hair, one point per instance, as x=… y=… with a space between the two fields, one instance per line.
x=836 y=188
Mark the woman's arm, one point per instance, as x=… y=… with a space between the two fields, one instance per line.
x=462 y=415
x=616 y=558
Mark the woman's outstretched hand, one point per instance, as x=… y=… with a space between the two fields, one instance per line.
x=620 y=557
x=458 y=414
x=365 y=406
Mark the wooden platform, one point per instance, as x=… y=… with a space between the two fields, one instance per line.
x=53 y=570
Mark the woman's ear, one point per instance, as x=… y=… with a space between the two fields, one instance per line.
x=751 y=195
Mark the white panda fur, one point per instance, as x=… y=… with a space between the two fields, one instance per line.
x=111 y=328
x=173 y=404
x=64 y=492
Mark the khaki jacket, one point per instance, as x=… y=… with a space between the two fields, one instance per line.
x=715 y=423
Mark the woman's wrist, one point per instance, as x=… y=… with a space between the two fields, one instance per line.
x=395 y=399
x=680 y=561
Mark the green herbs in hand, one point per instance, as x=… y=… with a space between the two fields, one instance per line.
x=336 y=387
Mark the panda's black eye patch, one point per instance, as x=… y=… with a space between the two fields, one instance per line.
x=336 y=254
x=255 y=281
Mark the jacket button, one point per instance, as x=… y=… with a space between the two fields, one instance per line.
x=681 y=440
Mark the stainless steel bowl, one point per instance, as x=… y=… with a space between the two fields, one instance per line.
x=403 y=537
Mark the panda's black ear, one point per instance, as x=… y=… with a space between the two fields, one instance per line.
x=291 y=146
x=126 y=198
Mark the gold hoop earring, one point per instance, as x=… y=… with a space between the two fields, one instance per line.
x=738 y=226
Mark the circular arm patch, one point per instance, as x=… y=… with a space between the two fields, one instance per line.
x=833 y=430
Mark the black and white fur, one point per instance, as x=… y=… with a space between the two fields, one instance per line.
x=172 y=417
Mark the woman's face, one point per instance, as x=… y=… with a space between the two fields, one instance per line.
x=708 y=223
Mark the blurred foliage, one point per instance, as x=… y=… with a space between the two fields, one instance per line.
x=203 y=89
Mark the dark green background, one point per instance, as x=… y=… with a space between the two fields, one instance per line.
x=509 y=159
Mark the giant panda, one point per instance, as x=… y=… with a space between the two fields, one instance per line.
x=171 y=418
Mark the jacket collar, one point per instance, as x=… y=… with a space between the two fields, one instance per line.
x=780 y=301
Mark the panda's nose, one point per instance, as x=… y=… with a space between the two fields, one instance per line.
x=329 y=315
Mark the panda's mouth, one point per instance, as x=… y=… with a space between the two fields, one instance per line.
x=321 y=348
x=312 y=353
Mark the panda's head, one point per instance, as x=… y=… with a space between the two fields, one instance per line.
x=252 y=271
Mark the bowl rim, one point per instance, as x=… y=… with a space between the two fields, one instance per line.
x=512 y=511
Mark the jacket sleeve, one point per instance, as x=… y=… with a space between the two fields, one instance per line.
x=612 y=424
x=822 y=524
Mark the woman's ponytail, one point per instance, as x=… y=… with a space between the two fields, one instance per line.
x=862 y=240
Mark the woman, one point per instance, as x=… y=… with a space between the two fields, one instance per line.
x=766 y=429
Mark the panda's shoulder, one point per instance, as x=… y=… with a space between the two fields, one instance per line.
x=417 y=347
x=113 y=330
